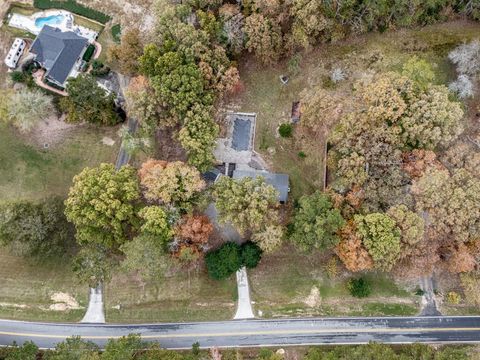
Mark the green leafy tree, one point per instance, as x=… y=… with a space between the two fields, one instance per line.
x=198 y=137
x=316 y=222
x=27 y=351
x=412 y=226
x=433 y=119
x=250 y=254
x=125 y=348
x=156 y=224
x=26 y=107
x=74 y=348
x=101 y=204
x=93 y=265
x=248 y=203
x=381 y=237
x=359 y=288
x=88 y=102
x=35 y=229
x=270 y=238
x=224 y=261
x=420 y=71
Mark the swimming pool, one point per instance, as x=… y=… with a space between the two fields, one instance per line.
x=51 y=20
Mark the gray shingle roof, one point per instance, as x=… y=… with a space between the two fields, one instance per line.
x=278 y=181
x=58 y=51
x=241 y=134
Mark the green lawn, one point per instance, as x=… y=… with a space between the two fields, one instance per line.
x=28 y=171
x=281 y=286
x=179 y=298
x=26 y=288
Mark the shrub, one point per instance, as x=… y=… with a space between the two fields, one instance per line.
x=453 y=298
x=89 y=53
x=116 y=31
x=419 y=292
x=302 y=155
x=74 y=7
x=99 y=68
x=285 y=130
x=463 y=87
x=359 y=288
x=224 y=261
x=250 y=254
x=17 y=76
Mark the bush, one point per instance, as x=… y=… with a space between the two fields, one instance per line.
x=89 y=52
x=302 y=155
x=74 y=7
x=250 y=254
x=359 y=288
x=285 y=130
x=453 y=298
x=17 y=76
x=224 y=261
x=116 y=31
x=99 y=68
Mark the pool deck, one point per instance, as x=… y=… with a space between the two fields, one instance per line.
x=68 y=24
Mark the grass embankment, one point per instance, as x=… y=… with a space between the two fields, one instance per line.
x=291 y=283
x=181 y=297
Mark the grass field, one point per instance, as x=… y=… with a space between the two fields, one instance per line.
x=30 y=172
x=26 y=289
x=283 y=282
x=181 y=297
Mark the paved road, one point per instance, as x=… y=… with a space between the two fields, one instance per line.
x=242 y=333
x=123 y=157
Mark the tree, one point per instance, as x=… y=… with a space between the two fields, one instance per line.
x=93 y=265
x=193 y=232
x=247 y=203
x=420 y=71
x=308 y=22
x=224 y=261
x=316 y=222
x=250 y=254
x=467 y=58
x=450 y=202
x=263 y=38
x=320 y=108
x=412 y=227
x=174 y=184
x=351 y=250
x=462 y=259
x=381 y=238
x=198 y=137
x=471 y=287
x=124 y=348
x=145 y=256
x=176 y=78
x=88 y=102
x=269 y=239
x=156 y=225
x=27 y=351
x=360 y=287
x=26 y=107
x=74 y=348
x=463 y=87
x=128 y=52
x=101 y=204
x=141 y=104
x=35 y=229
x=431 y=120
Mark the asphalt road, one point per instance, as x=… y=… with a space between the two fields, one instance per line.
x=249 y=333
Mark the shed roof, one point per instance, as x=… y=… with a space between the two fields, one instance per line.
x=278 y=181
x=58 y=51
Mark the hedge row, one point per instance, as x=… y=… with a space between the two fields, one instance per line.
x=87 y=55
x=74 y=7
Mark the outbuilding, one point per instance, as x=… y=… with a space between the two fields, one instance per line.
x=15 y=53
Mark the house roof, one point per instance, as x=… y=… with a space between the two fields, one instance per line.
x=242 y=129
x=278 y=181
x=58 y=51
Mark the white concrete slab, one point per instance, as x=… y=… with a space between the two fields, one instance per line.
x=95 y=312
x=244 y=305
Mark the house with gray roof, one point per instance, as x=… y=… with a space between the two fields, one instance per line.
x=278 y=181
x=59 y=53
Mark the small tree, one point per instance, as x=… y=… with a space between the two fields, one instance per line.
x=224 y=261
x=285 y=130
x=270 y=238
x=128 y=52
x=250 y=254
